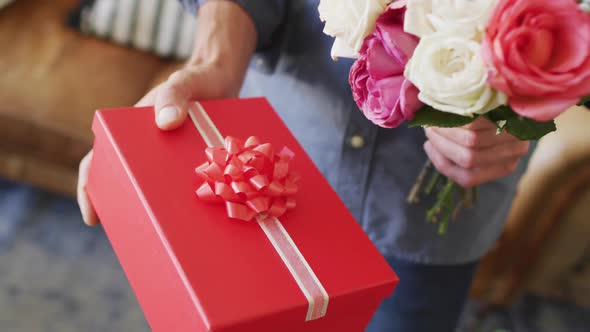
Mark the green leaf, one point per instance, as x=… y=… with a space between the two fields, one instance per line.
x=522 y=128
x=584 y=101
x=430 y=117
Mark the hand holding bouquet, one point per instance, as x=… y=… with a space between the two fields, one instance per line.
x=516 y=64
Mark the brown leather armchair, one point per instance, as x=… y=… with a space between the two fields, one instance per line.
x=53 y=79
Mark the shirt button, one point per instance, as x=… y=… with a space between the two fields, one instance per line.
x=357 y=141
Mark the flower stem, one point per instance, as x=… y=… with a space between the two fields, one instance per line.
x=414 y=196
x=448 y=210
x=432 y=183
x=444 y=198
x=442 y=227
x=451 y=198
x=468 y=197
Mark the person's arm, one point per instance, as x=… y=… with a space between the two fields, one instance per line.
x=228 y=32
x=267 y=15
x=226 y=38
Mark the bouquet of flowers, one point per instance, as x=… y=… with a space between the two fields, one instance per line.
x=444 y=63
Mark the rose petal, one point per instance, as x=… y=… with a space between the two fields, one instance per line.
x=380 y=63
x=409 y=102
x=541 y=109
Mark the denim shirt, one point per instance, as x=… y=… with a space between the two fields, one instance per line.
x=371 y=168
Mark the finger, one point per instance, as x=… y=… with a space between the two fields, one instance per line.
x=471 y=158
x=481 y=123
x=469 y=178
x=171 y=104
x=478 y=176
x=475 y=139
x=442 y=164
x=184 y=86
x=88 y=213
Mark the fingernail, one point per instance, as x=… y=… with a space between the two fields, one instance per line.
x=167 y=116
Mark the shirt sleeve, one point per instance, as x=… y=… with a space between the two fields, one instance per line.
x=268 y=16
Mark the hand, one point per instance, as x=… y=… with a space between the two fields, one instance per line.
x=215 y=70
x=474 y=154
x=88 y=213
x=170 y=99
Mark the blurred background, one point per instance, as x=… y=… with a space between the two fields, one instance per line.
x=62 y=59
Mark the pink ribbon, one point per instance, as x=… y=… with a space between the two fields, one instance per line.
x=249 y=177
x=256 y=183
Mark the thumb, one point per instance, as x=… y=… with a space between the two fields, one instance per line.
x=172 y=99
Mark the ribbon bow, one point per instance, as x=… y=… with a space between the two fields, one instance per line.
x=249 y=177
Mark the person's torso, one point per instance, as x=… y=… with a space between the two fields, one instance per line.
x=371 y=168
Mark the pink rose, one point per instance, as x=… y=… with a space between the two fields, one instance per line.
x=377 y=78
x=539 y=55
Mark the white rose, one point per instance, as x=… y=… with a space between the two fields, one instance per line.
x=451 y=75
x=350 y=21
x=465 y=17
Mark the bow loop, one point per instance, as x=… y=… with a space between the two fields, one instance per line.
x=259 y=181
x=243 y=190
x=286 y=154
x=206 y=193
x=252 y=141
x=275 y=189
x=278 y=208
x=217 y=155
x=210 y=172
x=249 y=177
x=233 y=173
x=233 y=145
x=281 y=169
x=265 y=150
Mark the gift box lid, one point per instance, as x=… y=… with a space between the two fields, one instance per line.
x=229 y=267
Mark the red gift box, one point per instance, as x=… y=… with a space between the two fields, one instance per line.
x=192 y=267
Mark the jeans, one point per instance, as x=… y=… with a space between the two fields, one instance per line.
x=429 y=298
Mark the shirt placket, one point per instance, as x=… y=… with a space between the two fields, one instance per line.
x=355 y=162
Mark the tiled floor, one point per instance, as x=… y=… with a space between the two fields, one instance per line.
x=57 y=275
